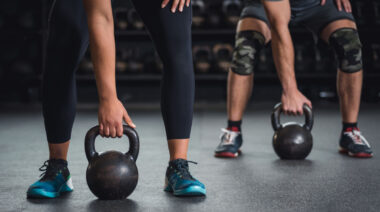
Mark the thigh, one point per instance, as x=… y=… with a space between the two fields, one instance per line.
x=319 y=18
x=254 y=9
x=68 y=32
x=68 y=15
x=277 y=12
x=167 y=29
x=335 y=25
x=253 y=18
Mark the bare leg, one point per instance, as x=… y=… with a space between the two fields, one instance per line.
x=239 y=87
x=239 y=90
x=59 y=151
x=349 y=85
x=349 y=88
x=178 y=148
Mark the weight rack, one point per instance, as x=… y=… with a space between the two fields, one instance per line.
x=23 y=42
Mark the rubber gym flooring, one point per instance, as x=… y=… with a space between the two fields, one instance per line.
x=256 y=181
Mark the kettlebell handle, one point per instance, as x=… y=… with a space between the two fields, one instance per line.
x=134 y=143
x=309 y=117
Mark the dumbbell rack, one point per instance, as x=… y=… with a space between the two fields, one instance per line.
x=316 y=80
x=23 y=30
x=316 y=83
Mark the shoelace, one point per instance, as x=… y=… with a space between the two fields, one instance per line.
x=48 y=170
x=228 y=136
x=183 y=168
x=357 y=137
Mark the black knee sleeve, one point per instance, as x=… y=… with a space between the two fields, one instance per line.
x=247 y=48
x=347 y=46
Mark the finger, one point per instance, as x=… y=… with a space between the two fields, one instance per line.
x=290 y=112
x=300 y=111
x=347 y=6
x=285 y=110
x=164 y=3
x=188 y=3
x=309 y=104
x=128 y=120
x=339 y=4
x=175 y=5
x=323 y=2
x=101 y=129
x=113 y=131
x=119 y=130
x=106 y=131
x=181 y=5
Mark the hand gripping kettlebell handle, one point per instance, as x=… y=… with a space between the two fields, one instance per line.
x=134 y=144
x=275 y=117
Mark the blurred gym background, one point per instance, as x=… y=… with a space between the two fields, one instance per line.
x=23 y=34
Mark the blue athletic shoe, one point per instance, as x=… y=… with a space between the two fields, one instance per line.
x=55 y=180
x=180 y=182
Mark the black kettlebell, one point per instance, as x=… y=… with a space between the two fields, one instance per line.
x=231 y=10
x=199 y=11
x=112 y=175
x=292 y=141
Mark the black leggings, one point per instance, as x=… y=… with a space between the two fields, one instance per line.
x=68 y=41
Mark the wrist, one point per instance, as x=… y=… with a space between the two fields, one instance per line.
x=290 y=89
x=107 y=98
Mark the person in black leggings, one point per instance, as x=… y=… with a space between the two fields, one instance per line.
x=70 y=29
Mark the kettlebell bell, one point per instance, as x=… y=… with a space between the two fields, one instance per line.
x=292 y=141
x=112 y=175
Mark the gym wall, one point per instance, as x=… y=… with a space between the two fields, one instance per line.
x=23 y=27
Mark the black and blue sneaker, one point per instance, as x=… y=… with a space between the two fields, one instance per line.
x=180 y=182
x=230 y=144
x=353 y=143
x=54 y=181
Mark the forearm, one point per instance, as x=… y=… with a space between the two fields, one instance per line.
x=102 y=46
x=283 y=54
x=279 y=13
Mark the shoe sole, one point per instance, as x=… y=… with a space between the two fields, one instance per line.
x=187 y=192
x=228 y=154
x=38 y=193
x=355 y=155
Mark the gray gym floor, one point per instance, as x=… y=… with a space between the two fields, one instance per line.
x=256 y=181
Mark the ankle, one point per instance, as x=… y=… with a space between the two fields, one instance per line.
x=349 y=126
x=234 y=125
x=177 y=158
x=58 y=161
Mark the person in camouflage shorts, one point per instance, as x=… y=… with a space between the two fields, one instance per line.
x=269 y=20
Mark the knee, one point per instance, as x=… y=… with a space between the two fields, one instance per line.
x=247 y=49
x=348 y=48
x=177 y=56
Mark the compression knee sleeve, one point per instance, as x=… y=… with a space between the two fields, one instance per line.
x=247 y=48
x=347 y=46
